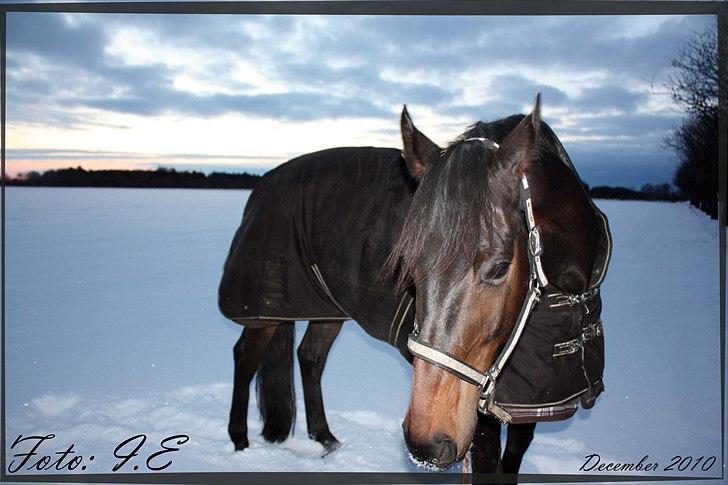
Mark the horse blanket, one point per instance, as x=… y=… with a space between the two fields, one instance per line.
x=559 y=360
x=557 y=365
x=316 y=232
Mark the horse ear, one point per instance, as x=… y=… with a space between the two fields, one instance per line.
x=419 y=150
x=522 y=142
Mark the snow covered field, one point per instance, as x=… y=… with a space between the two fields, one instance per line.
x=112 y=330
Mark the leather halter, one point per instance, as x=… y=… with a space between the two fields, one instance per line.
x=485 y=381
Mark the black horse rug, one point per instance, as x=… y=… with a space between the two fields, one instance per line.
x=558 y=363
x=316 y=232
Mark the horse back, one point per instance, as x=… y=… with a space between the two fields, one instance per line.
x=315 y=234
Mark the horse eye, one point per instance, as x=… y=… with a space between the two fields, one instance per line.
x=498 y=270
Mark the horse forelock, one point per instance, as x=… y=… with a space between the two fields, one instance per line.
x=454 y=207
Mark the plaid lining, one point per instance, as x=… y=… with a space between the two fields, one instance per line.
x=556 y=412
x=548 y=413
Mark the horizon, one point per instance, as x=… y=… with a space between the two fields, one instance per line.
x=249 y=92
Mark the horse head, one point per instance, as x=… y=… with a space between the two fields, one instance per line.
x=464 y=246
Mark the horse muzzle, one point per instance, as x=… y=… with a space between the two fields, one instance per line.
x=437 y=452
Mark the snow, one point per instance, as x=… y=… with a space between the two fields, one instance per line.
x=112 y=330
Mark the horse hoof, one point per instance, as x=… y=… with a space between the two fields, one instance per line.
x=330 y=446
x=241 y=445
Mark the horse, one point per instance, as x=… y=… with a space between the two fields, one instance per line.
x=488 y=222
x=324 y=238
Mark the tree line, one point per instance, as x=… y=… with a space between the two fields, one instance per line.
x=159 y=178
x=171 y=178
x=661 y=192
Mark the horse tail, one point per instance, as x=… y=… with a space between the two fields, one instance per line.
x=274 y=386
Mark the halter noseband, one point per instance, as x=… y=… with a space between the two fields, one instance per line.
x=538 y=280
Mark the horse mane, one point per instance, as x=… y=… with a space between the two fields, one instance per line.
x=463 y=210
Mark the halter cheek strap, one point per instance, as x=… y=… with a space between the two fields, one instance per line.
x=535 y=248
x=486 y=381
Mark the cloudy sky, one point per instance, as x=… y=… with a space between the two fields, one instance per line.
x=247 y=92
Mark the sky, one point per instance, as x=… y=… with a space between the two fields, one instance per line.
x=248 y=92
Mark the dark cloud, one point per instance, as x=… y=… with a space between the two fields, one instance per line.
x=600 y=43
x=285 y=106
x=364 y=80
x=510 y=94
x=52 y=37
x=507 y=95
x=441 y=45
x=608 y=97
x=630 y=125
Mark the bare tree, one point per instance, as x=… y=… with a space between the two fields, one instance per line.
x=694 y=85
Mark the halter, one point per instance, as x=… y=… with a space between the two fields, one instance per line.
x=484 y=140
x=537 y=281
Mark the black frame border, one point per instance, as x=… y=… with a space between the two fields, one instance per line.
x=381 y=7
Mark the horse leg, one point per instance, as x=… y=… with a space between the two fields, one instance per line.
x=519 y=437
x=247 y=354
x=486 y=449
x=312 y=355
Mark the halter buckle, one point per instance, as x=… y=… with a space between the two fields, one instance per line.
x=487 y=390
x=534 y=287
x=534 y=241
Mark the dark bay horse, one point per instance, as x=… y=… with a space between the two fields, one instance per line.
x=315 y=235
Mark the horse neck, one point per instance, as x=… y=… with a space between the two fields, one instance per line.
x=568 y=222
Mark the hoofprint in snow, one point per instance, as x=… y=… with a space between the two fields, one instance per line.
x=112 y=331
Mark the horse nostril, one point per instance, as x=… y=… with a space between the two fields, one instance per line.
x=447 y=450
